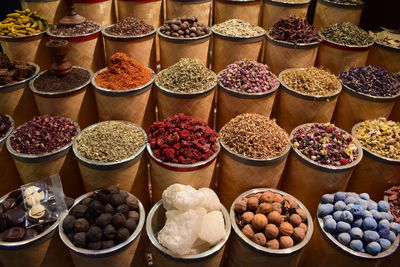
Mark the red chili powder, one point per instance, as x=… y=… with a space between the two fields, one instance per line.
x=123 y=73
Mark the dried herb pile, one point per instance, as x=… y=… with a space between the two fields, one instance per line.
x=238 y=28
x=85 y=28
x=48 y=82
x=129 y=27
x=346 y=33
x=294 y=30
x=5 y=125
x=386 y=38
x=22 y=23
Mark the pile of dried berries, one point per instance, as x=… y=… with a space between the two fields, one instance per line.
x=85 y=28
x=254 y=136
x=5 y=125
x=387 y=38
x=238 y=28
x=182 y=139
x=371 y=80
x=43 y=134
x=393 y=195
x=14 y=71
x=380 y=136
x=294 y=30
x=187 y=76
x=326 y=144
x=49 y=82
x=271 y=220
x=110 y=141
x=129 y=27
x=184 y=27
x=347 y=2
x=102 y=220
x=248 y=76
x=312 y=81
x=346 y=33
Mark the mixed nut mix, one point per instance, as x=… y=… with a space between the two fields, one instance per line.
x=346 y=33
x=294 y=30
x=358 y=222
x=5 y=125
x=184 y=27
x=13 y=71
x=386 y=38
x=22 y=23
x=271 y=220
x=393 y=195
x=129 y=26
x=238 y=28
x=85 y=28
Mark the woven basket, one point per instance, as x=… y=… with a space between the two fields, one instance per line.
x=248 y=10
x=147 y=10
x=385 y=57
x=328 y=13
x=100 y=11
x=395 y=114
x=201 y=9
x=52 y=10
x=272 y=11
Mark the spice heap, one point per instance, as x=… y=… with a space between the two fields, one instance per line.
x=49 y=82
x=254 y=136
x=386 y=38
x=358 y=222
x=312 y=81
x=370 y=80
x=184 y=27
x=248 y=76
x=380 y=136
x=187 y=76
x=346 y=33
x=238 y=28
x=5 y=125
x=271 y=220
x=85 y=28
x=22 y=23
x=182 y=139
x=14 y=71
x=326 y=144
x=123 y=73
x=129 y=27
x=102 y=220
x=110 y=141
x=393 y=195
x=294 y=30
x=347 y=2
x=43 y=134
x=194 y=220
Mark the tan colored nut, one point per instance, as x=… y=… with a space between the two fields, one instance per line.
x=304 y=226
x=293 y=203
x=286 y=242
x=286 y=229
x=277 y=207
x=264 y=208
x=247 y=216
x=273 y=244
x=302 y=213
x=248 y=230
x=277 y=198
x=240 y=206
x=252 y=203
x=275 y=218
x=267 y=197
x=271 y=231
x=298 y=234
x=260 y=221
x=259 y=239
x=295 y=219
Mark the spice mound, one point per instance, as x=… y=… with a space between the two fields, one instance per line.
x=13 y=71
x=386 y=38
x=393 y=195
x=129 y=27
x=184 y=27
x=312 y=81
x=43 y=134
x=182 y=139
x=347 y=2
x=5 y=125
x=254 y=136
x=187 y=76
x=110 y=141
x=194 y=221
x=22 y=23
x=358 y=222
x=294 y=30
x=346 y=33
x=103 y=220
x=326 y=144
x=380 y=136
x=248 y=76
x=238 y=28
x=123 y=73
x=371 y=80
x=85 y=28
x=271 y=220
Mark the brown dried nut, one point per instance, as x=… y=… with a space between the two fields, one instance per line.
x=277 y=207
x=267 y=197
x=123 y=208
x=252 y=203
x=95 y=208
x=134 y=215
x=260 y=221
x=286 y=242
x=302 y=213
x=86 y=201
x=247 y=217
x=108 y=208
x=241 y=206
x=104 y=219
x=118 y=220
x=122 y=234
x=107 y=244
x=68 y=223
x=273 y=244
x=94 y=245
x=271 y=231
x=259 y=239
x=103 y=195
x=78 y=211
x=117 y=199
x=277 y=198
x=298 y=234
x=131 y=224
x=79 y=240
x=292 y=202
x=113 y=189
x=132 y=202
x=286 y=229
x=264 y=208
x=248 y=231
x=109 y=232
x=295 y=219
x=94 y=234
x=275 y=218
x=81 y=225
x=304 y=226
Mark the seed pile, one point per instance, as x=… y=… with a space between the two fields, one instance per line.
x=182 y=139
x=187 y=76
x=43 y=134
x=238 y=28
x=312 y=81
x=393 y=195
x=326 y=144
x=294 y=30
x=13 y=71
x=87 y=27
x=110 y=141
x=347 y=2
x=48 y=82
x=129 y=27
x=248 y=76
x=254 y=136
x=346 y=33
x=371 y=80
x=387 y=38
x=5 y=125
x=22 y=23
x=271 y=220
x=184 y=27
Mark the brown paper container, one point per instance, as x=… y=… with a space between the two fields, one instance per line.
x=201 y=9
x=273 y=11
x=248 y=10
x=165 y=174
x=353 y=107
x=292 y=103
x=328 y=13
x=309 y=180
x=162 y=257
x=227 y=49
x=384 y=56
x=52 y=10
x=17 y=100
x=243 y=252
x=100 y=11
x=120 y=255
x=172 y=49
x=395 y=114
x=149 y=11
x=142 y=47
x=238 y=173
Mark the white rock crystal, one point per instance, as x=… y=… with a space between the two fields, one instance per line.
x=169 y=194
x=213 y=228
x=181 y=197
x=210 y=199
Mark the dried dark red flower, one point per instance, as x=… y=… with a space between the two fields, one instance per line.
x=5 y=125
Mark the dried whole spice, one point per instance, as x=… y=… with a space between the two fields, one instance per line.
x=386 y=38
x=184 y=27
x=371 y=80
x=393 y=195
x=43 y=134
x=129 y=26
x=5 y=125
x=238 y=28
x=254 y=136
x=248 y=76
x=110 y=141
x=294 y=30
x=13 y=71
x=182 y=139
x=85 y=28
x=326 y=144
x=22 y=23
x=346 y=33
x=48 y=82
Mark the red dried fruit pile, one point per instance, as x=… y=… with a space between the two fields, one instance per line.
x=394 y=201
x=182 y=139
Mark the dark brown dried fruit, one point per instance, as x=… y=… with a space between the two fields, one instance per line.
x=131 y=224
x=94 y=234
x=86 y=201
x=107 y=244
x=109 y=232
x=103 y=195
x=15 y=216
x=79 y=240
x=123 y=208
x=108 y=208
x=68 y=223
x=104 y=219
x=14 y=234
x=134 y=215
x=95 y=208
x=117 y=199
x=132 y=202
x=122 y=234
x=69 y=202
x=78 y=211
x=118 y=220
x=9 y=203
x=81 y=225
x=94 y=245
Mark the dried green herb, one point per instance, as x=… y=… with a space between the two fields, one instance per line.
x=238 y=28
x=387 y=38
x=346 y=33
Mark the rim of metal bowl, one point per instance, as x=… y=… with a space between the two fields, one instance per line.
x=20 y=84
x=74 y=36
x=4 y=138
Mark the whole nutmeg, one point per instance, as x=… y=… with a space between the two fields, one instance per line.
x=304 y=226
x=95 y=208
x=264 y=208
x=117 y=199
x=94 y=234
x=240 y=206
x=292 y=202
x=123 y=208
x=277 y=198
x=118 y=220
x=122 y=235
x=260 y=221
x=252 y=203
x=104 y=219
x=79 y=240
x=302 y=213
x=275 y=218
x=259 y=239
x=298 y=234
x=247 y=217
x=277 y=207
x=267 y=197
x=131 y=224
x=107 y=244
x=248 y=231
x=295 y=219
x=132 y=202
x=78 y=211
x=286 y=242
x=108 y=208
x=81 y=225
x=94 y=245
x=86 y=201
x=272 y=244
x=271 y=231
x=102 y=195
x=68 y=223
x=134 y=215
x=109 y=232
x=286 y=229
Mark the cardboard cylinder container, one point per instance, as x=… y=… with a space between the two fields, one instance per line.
x=272 y=11
x=52 y=10
x=395 y=114
x=248 y=10
x=150 y=11
x=384 y=56
x=201 y=9
x=100 y=11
